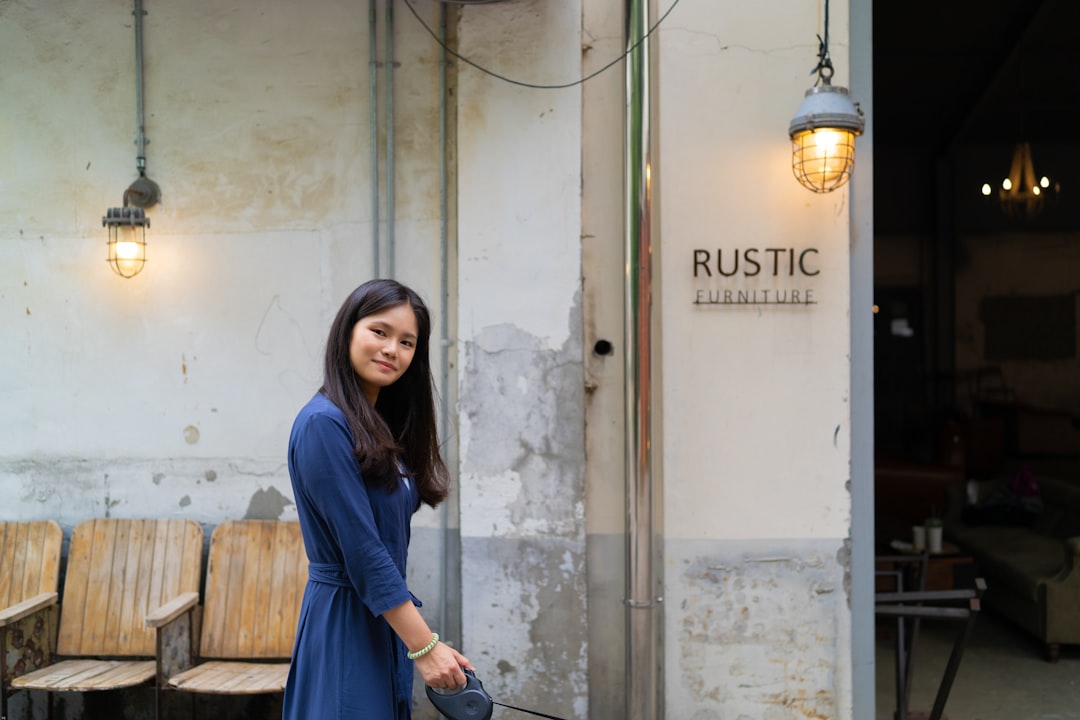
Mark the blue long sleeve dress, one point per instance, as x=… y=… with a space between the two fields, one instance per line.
x=347 y=662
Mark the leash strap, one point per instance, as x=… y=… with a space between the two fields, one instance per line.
x=531 y=712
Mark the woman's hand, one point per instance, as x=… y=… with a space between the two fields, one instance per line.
x=441 y=667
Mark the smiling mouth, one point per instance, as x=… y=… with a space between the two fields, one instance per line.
x=384 y=365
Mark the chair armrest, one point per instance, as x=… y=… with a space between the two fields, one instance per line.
x=172 y=610
x=26 y=608
x=1072 y=546
x=1071 y=549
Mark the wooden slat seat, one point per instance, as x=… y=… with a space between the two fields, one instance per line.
x=29 y=576
x=255 y=582
x=119 y=572
x=87 y=675
x=233 y=678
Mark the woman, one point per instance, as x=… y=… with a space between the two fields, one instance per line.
x=363 y=455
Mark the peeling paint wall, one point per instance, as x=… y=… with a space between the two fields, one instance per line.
x=756 y=630
x=523 y=595
x=521 y=390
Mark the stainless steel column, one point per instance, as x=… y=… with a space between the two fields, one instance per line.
x=643 y=598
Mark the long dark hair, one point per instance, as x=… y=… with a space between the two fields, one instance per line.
x=402 y=423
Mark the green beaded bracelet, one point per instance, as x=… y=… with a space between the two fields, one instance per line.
x=425 y=650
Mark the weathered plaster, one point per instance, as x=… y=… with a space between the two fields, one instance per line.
x=755 y=629
x=522 y=517
x=523 y=611
x=70 y=490
x=521 y=435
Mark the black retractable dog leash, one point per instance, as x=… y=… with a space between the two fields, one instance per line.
x=471 y=701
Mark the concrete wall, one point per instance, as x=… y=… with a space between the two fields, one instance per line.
x=172 y=393
x=521 y=408
x=755 y=397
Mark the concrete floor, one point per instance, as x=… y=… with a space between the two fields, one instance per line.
x=1002 y=675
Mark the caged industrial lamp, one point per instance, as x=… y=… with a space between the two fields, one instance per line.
x=127 y=225
x=824 y=128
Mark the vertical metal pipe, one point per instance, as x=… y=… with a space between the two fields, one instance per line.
x=140 y=115
x=390 y=138
x=373 y=120
x=444 y=312
x=861 y=394
x=642 y=597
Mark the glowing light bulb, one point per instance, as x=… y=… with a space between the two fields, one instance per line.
x=1036 y=190
x=126 y=250
x=1006 y=184
x=986 y=189
x=827 y=140
x=1044 y=181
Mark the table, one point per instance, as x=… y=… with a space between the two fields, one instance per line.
x=950 y=569
x=903 y=604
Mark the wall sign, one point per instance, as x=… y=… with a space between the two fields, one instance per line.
x=755 y=276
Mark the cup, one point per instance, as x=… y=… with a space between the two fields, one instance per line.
x=918 y=537
x=972 y=491
x=933 y=539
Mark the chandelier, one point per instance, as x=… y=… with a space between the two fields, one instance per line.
x=1023 y=194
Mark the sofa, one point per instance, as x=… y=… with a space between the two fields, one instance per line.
x=1029 y=554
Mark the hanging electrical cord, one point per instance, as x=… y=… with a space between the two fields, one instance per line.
x=538 y=86
x=824 y=61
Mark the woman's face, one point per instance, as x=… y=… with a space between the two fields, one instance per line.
x=382 y=348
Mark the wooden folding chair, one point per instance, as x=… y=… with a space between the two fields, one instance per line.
x=29 y=574
x=118 y=573
x=255 y=582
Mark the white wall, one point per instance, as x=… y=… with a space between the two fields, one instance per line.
x=172 y=393
x=522 y=426
x=755 y=397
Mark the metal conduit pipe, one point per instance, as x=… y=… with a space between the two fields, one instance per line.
x=140 y=114
x=144 y=192
x=373 y=119
x=390 y=138
x=643 y=599
x=444 y=321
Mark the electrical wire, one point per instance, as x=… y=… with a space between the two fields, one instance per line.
x=538 y=86
x=824 y=67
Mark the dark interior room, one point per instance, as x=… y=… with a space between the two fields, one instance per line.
x=977 y=273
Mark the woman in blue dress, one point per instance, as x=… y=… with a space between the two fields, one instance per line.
x=363 y=456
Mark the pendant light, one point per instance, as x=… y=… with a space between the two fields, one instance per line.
x=1023 y=194
x=127 y=225
x=824 y=128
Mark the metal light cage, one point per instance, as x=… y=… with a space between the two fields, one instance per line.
x=127 y=225
x=126 y=245
x=823 y=135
